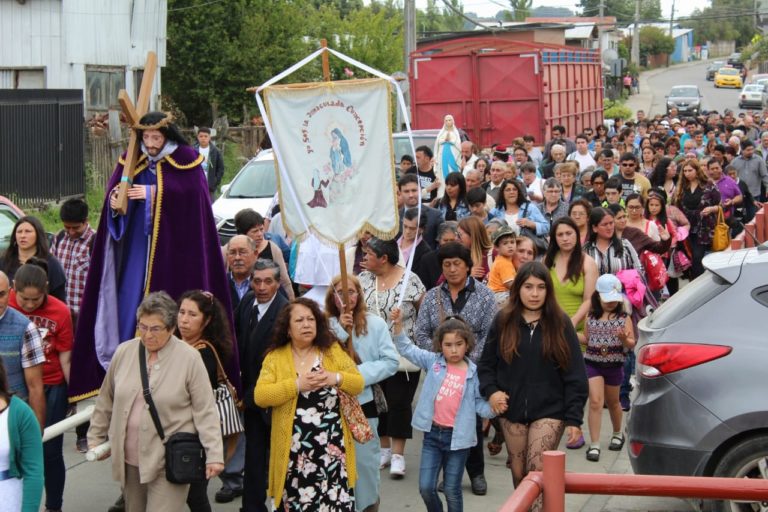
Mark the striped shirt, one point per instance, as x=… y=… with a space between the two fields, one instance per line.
x=75 y=256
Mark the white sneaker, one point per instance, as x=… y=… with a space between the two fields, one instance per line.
x=397 y=469
x=386 y=457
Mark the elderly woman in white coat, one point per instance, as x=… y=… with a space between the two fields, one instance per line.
x=378 y=360
x=184 y=401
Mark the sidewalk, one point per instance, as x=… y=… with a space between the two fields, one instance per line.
x=644 y=99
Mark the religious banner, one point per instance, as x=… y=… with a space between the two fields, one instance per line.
x=334 y=141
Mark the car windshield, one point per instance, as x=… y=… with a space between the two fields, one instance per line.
x=691 y=297
x=256 y=179
x=717 y=64
x=728 y=71
x=684 y=92
x=754 y=88
x=402 y=145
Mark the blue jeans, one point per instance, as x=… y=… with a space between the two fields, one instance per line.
x=436 y=454
x=53 y=456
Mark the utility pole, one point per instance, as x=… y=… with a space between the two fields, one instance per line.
x=409 y=12
x=671 y=29
x=636 y=36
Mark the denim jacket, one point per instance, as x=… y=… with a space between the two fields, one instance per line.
x=472 y=402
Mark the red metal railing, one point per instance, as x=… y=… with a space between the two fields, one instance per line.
x=553 y=482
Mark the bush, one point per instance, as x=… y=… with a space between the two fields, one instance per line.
x=612 y=110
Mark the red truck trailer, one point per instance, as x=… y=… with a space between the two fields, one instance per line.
x=498 y=89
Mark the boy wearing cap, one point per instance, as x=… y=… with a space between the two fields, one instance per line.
x=503 y=270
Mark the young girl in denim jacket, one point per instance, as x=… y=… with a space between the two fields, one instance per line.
x=446 y=409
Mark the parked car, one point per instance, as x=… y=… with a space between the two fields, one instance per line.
x=254 y=186
x=728 y=77
x=700 y=407
x=686 y=98
x=9 y=215
x=753 y=95
x=713 y=67
x=757 y=77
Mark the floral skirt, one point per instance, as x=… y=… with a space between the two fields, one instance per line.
x=317 y=467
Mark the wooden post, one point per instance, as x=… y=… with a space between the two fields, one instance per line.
x=133 y=115
x=324 y=58
x=345 y=296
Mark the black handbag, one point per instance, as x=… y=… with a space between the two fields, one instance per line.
x=184 y=453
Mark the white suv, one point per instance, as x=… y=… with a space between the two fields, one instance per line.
x=254 y=187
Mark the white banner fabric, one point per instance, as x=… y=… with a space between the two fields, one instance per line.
x=336 y=144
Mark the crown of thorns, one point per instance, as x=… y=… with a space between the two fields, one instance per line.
x=168 y=119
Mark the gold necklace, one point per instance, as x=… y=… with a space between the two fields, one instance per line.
x=302 y=359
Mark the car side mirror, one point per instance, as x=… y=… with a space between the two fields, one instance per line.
x=224 y=188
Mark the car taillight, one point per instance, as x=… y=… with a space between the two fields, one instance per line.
x=664 y=358
x=635 y=448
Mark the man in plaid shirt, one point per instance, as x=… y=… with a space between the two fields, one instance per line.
x=72 y=247
x=21 y=348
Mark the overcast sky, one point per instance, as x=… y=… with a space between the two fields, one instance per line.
x=491 y=7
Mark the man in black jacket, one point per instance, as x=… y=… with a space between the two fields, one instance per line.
x=213 y=165
x=254 y=321
x=409 y=192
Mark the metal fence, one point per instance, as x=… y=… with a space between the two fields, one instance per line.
x=41 y=145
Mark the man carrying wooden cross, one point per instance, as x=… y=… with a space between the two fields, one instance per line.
x=166 y=240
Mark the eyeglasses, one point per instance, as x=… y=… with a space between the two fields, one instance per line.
x=599 y=182
x=240 y=252
x=627 y=164
x=155 y=329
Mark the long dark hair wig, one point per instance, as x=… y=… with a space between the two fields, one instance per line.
x=553 y=320
x=575 y=260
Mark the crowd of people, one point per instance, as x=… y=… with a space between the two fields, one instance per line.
x=515 y=286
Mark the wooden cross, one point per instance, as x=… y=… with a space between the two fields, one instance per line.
x=133 y=115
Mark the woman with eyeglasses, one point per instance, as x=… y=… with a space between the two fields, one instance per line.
x=578 y=211
x=183 y=398
x=377 y=359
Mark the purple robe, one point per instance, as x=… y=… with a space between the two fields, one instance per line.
x=173 y=248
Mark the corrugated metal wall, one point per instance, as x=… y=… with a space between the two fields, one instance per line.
x=64 y=36
x=42 y=145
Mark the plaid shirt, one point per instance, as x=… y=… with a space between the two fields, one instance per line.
x=75 y=257
x=32 y=352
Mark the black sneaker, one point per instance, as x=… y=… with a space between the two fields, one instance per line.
x=225 y=494
x=479 y=485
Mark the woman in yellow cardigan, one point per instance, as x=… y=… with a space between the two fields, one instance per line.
x=312 y=455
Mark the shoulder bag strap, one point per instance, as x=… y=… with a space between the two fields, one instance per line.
x=147 y=393
x=221 y=376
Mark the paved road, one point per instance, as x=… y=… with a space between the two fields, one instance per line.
x=90 y=487
x=714 y=98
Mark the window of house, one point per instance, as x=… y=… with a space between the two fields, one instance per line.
x=102 y=86
x=22 y=79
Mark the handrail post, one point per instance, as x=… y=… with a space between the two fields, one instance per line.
x=554 y=481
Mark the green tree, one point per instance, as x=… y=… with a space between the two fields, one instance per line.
x=655 y=41
x=343 y=7
x=724 y=20
x=623 y=10
x=522 y=8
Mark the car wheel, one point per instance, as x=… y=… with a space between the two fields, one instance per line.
x=748 y=459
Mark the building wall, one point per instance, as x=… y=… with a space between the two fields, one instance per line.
x=63 y=37
x=683 y=48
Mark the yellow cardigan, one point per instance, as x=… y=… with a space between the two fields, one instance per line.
x=276 y=388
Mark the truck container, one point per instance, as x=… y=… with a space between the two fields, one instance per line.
x=497 y=89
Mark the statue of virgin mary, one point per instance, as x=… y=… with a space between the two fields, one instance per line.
x=447 y=148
